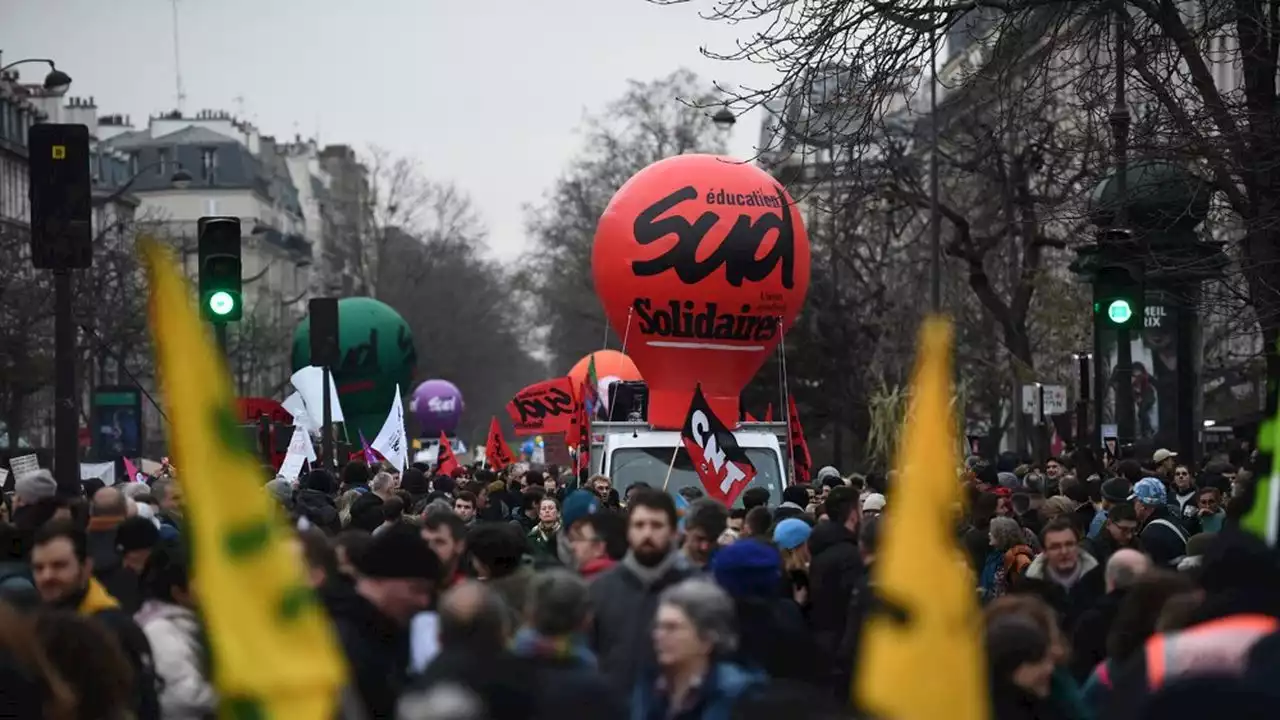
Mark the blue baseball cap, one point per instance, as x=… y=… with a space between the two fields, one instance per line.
x=1149 y=491
x=791 y=533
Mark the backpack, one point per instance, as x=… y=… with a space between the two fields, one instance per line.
x=1181 y=532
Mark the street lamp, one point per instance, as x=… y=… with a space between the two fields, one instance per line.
x=56 y=82
x=724 y=119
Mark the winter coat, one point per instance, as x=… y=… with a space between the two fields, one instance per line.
x=122 y=583
x=542 y=545
x=775 y=640
x=1070 y=603
x=834 y=573
x=366 y=512
x=98 y=604
x=724 y=686
x=176 y=645
x=319 y=510
x=377 y=648
x=1089 y=634
x=1162 y=537
x=16 y=585
x=622 y=622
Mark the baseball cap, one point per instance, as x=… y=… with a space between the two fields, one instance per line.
x=1162 y=454
x=578 y=505
x=791 y=533
x=874 y=501
x=35 y=486
x=1149 y=491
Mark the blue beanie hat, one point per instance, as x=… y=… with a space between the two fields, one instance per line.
x=791 y=533
x=748 y=568
x=578 y=505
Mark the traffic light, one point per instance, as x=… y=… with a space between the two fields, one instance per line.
x=61 y=203
x=1118 y=298
x=219 y=239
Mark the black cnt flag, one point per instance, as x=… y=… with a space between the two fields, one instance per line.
x=723 y=467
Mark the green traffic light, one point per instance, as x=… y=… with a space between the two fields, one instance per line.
x=1119 y=312
x=221 y=303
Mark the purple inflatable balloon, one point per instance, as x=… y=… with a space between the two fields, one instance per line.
x=437 y=404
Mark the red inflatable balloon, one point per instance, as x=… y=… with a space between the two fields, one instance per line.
x=702 y=263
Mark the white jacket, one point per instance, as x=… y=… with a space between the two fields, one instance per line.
x=173 y=631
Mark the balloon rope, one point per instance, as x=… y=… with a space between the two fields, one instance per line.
x=626 y=335
x=786 y=400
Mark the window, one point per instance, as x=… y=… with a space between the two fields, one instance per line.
x=208 y=163
x=133 y=164
x=163 y=163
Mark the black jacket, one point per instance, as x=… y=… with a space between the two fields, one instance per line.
x=834 y=573
x=377 y=648
x=1163 y=543
x=773 y=637
x=1069 y=604
x=122 y=583
x=1089 y=635
x=138 y=651
x=319 y=510
x=621 y=632
x=366 y=512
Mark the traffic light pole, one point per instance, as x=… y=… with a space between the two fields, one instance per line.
x=220 y=333
x=66 y=416
x=1119 y=119
x=326 y=421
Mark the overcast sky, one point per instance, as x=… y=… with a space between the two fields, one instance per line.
x=487 y=93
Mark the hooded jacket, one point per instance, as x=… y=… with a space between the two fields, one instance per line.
x=1070 y=603
x=834 y=574
x=174 y=634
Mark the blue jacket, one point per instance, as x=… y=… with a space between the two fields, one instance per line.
x=725 y=684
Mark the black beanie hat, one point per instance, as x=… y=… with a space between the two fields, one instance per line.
x=443 y=483
x=136 y=533
x=399 y=552
x=414 y=482
x=318 y=480
x=796 y=494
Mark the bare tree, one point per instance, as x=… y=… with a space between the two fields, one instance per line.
x=1202 y=86
x=651 y=121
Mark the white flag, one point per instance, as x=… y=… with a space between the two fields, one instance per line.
x=391 y=442
x=300 y=450
x=309 y=382
x=295 y=406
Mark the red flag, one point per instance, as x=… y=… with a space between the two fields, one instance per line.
x=722 y=466
x=446 y=463
x=799 y=446
x=544 y=408
x=768 y=413
x=496 y=452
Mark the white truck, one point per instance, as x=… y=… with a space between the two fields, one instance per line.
x=632 y=451
x=430 y=450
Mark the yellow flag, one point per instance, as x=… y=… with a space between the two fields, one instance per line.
x=273 y=648
x=921 y=656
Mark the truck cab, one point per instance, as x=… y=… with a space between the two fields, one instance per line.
x=631 y=451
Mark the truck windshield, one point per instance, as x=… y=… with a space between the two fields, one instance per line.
x=649 y=465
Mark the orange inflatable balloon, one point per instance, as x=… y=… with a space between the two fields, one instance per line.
x=702 y=262
x=609 y=363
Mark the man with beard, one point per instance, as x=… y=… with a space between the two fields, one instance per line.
x=63 y=573
x=626 y=598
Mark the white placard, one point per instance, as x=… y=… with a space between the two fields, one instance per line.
x=24 y=465
x=106 y=472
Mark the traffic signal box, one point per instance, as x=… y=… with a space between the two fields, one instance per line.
x=61 y=199
x=220 y=298
x=1119 y=297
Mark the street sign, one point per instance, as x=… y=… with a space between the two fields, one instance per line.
x=1053 y=397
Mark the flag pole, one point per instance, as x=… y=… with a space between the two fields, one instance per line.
x=671 y=465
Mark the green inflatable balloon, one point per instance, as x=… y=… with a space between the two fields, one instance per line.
x=377 y=353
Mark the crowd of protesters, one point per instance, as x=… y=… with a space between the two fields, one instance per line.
x=1110 y=590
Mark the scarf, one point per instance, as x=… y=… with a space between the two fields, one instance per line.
x=649 y=576
x=529 y=643
x=96 y=599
